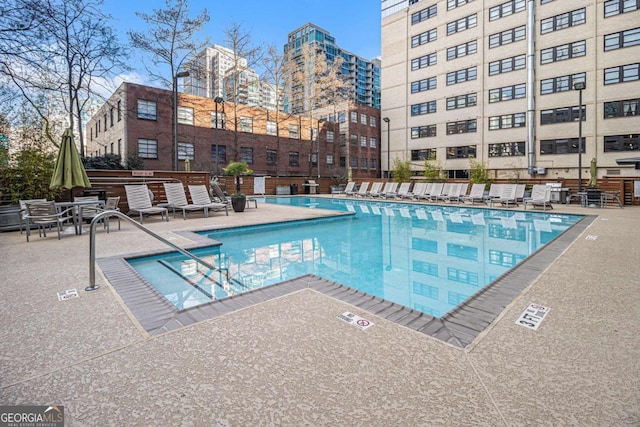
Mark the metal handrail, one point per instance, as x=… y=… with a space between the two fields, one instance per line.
x=92 y=245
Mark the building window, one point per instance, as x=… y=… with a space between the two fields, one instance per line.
x=461 y=50
x=341 y=117
x=563 y=52
x=462 y=101
x=629 y=142
x=507 y=121
x=246 y=155
x=146 y=110
x=294 y=158
x=354 y=117
x=372 y=121
x=626 y=108
x=424 y=61
x=460 y=76
x=329 y=159
x=506 y=9
x=246 y=124
x=354 y=139
x=622 y=74
x=354 y=163
x=423 y=108
x=424 y=38
x=423 y=131
x=272 y=157
x=364 y=163
x=452 y=4
x=363 y=141
x=373 y=164
x=462 y=126
x=507 y=65
x=507 y=93
x=561 y=83
x=463 y=152
x=272 y=128
x=508 y=36
x=506 y=149
x=424 y=14
x=185 y=115
x=111 y=116
x=562 y=115
x=372 y=142
x=147 y=148
x=186 y=150
x=616 y=7
x=219 y=121
x=294 y=131
x=423 y=85
x=105 y=122
x=363 y=118
x=622 y=39
x=219 y=151
x=562 y=21
x=462 y=24
x=560 y=146
x=423 y=154
x=329 y=136
x=119 y=110
x=111 y=148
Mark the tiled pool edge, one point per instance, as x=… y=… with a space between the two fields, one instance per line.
x=458 y=328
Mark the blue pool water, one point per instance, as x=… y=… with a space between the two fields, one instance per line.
x=426 y=257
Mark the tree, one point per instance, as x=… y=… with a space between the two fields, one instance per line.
x=401 y=170
x=478 y=173
x=57 y=49
x=433 y=172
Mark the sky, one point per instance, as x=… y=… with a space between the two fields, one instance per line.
x=355 y=24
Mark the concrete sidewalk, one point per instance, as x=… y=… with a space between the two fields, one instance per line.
x=290 y=361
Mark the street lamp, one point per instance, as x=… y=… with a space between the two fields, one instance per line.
x=318 y=143
x=175 y=117
x=387 y=120
x=217 y=100
x=579 y=86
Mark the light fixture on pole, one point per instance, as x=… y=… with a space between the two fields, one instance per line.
x=387 y=121
x=175 y=116
x=580 y=86
x=217 y=100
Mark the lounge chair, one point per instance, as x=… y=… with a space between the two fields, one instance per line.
x=402 y=192
x=200 y=196
x=494 y=193
x=177 y=199
x=436 y=191
x=426 y=192
x=607 y=197
x=520 y=189
x=375 y=189
x=362 y=190
x=348 y=190
x=476 y=194
x=507 y=196
x=389 y=188
x=455 y=191
x=418 y=188
x=218 y=194
x=139 y=201
x=540 y=196
x=45 y=215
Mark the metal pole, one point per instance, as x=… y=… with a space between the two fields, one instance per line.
x=318 y=159
x=580 y=142
x=175 y=122
x=215 y=137
x=388 y=122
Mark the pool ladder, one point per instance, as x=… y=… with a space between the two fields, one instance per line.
x=92 y=248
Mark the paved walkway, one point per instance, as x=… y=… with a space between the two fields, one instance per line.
x=290 y=361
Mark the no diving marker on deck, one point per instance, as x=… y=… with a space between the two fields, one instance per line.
x=533 y=316
x=68 y=294
x=355 y=320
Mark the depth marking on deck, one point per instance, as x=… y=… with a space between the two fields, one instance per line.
x=591 y=237
x=68 y=294
x=533 y=316
x=355 y=320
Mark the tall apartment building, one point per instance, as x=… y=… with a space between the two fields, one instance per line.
x=363 y=75
x=499 y=81
x=207 y=71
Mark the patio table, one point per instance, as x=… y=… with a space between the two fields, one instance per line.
x=77 y=214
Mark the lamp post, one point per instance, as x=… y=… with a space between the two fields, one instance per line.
x=387 y=121
x=217 y=100
x=175 y=117
x=318 y=143
x=579 y=86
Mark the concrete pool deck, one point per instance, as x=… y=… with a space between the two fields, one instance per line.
x=291 y=361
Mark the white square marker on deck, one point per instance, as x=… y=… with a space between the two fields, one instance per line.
x=591 y=237
x=533 y=316
x=355 y=320
x=69 y=293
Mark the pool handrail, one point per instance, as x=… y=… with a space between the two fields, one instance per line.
x=92 y=245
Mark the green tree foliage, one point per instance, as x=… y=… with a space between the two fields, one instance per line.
x=401 y=171
x=478 y=173
x=433 y=171
x=28 y=175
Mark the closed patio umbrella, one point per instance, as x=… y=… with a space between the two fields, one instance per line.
x=594 y=173
x=69 y=171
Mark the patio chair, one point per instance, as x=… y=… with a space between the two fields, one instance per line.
x=455 y=191
x=436 y=191
x=425 y=194
x=476 y=194
x=348 y=190
x=362 y=190
x=376 y=188
x=23 y=210
x=540 y=196
x=507 y=196
x=610 y=197
x=403 y=190
x=200 y=196
x=139 y=201
x=88 y=212
x=390 y=190
x=177 y=199
x=418 y=188
x=218 y=194
x=494 y=192
x=45 y=215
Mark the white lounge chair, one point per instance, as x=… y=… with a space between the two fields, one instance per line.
x=476 y=194
x=177 y=199
x=362 y=190
x=348 y=190
x=376 y=188
x=418 y=188
x=540 y=196
x=139 y=202
x=436 y=191
x=402 y=191
x=494 y=192
x=455 y=190
x=389 y=190
x=507 y=196
x=200 y=196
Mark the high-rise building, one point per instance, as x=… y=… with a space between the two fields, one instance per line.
x=207 y=71
x=507 y=82
x=362 y=75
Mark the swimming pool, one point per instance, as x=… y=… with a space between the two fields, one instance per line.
x=430 y=258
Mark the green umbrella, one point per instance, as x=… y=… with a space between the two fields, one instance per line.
x=594 y=173
x=69 y=171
